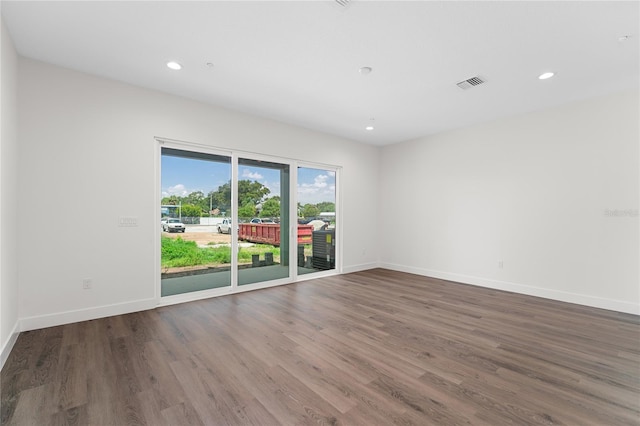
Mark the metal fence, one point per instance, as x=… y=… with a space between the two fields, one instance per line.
x=190 y=220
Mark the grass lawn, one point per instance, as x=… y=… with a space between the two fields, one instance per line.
x=177 y=252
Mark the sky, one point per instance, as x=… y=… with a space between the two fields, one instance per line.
x=182 y=176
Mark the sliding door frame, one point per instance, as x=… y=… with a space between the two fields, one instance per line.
x=185 y=297
x=235 y=155
x=270 y=159
x=338 y=235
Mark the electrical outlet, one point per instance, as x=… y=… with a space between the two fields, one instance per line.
x=500 y=264
x=87 y=283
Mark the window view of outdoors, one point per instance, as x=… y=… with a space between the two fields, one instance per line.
x=195 y=254
x=316 y=220
x=263 y=220
x=197 y=221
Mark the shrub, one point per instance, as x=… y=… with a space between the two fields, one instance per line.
x=178 y=253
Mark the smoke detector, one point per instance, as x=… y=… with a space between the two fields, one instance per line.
x=470 y=82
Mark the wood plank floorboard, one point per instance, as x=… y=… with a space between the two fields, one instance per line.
x=370 y=348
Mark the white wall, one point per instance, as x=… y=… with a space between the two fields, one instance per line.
x=8 y=197
x=88 y=156
x=530 y=191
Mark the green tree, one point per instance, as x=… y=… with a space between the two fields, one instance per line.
x=247 y=211
x=195 y=198
x=173 y=200
x=271 y=207
x=189 y=210
x=221 y=198
x=251 y=192
x=200 y=200
x=310 y=210
x=326 y=206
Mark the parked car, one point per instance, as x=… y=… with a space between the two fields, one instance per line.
x=261 y=220
x=225 y=226
x=173 y=225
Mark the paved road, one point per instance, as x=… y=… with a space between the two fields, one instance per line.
x=202 y=228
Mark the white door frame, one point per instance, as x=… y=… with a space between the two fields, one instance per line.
x=293 y=214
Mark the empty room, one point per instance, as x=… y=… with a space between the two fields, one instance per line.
x=339 y=212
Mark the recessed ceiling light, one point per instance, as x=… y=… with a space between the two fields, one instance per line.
x=174 y=65
x=369 y=128
x=365 y=70
x=546 y=75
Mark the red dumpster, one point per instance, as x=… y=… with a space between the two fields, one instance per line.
x=269 y=233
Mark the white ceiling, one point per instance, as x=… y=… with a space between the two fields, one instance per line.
x=297 y=61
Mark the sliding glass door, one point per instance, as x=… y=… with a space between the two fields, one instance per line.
x=194 y=210
x=233 y=222
x=316 y=195
x=263 y=221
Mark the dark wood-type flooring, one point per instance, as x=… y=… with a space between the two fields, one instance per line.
x=369 y=348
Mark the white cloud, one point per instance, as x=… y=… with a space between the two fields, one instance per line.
x=330 y=190
x=251 y=175
x=319 y=182
x=180 y=190
x=306 y=190
x=322 y=188
x=274 y=188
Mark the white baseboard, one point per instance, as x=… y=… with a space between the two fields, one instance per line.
x=358 y=268
x=43 y=321
x=562 y=296
x=51 y=320
x=8 y=345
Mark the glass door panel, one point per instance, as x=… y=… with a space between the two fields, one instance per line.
x=263 y=221
x=195 y=211
x=316 y=220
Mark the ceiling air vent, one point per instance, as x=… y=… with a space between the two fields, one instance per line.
x=470 y=82
x=343 y=3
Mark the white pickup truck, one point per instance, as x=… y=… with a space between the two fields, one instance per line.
x=172 y=225
x=225 y=226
